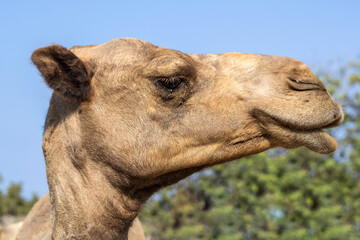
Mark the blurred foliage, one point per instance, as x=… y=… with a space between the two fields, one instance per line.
x=12 y=203
x=297 y=195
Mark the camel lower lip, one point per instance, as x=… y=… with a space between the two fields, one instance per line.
x=320 y=142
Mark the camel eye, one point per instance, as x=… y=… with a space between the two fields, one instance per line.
x=171 y=82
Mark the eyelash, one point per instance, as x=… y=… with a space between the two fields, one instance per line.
x=171 y=83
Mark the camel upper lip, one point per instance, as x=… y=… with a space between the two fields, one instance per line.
x=336 y=121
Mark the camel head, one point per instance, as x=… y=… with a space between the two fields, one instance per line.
x=145 y=117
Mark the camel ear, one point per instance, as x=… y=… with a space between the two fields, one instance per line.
x=63 y=71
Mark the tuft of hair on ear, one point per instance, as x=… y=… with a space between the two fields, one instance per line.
x=63 y=71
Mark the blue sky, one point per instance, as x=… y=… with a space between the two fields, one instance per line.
x=316 y=32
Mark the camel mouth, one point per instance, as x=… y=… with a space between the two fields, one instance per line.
x=330 y=121
x=287 y=136
x=243 y=139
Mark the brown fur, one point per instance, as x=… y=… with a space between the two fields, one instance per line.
x=151 y=116
x=37 y=224
x=63 y=71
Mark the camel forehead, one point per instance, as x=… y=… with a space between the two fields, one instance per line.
x=124 y=45
x=117 y=50
x=124 y=51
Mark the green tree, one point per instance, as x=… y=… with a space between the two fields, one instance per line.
x=12 y=203
x=297 y=195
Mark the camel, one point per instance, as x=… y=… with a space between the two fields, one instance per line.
x=127 y=118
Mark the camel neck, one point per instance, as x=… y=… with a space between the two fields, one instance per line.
x=84 y=203
x=86 y=207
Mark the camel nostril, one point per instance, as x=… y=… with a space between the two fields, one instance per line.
x=304 y=85
x=335 y=116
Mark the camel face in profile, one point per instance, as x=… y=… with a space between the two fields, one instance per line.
x=127 y=118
